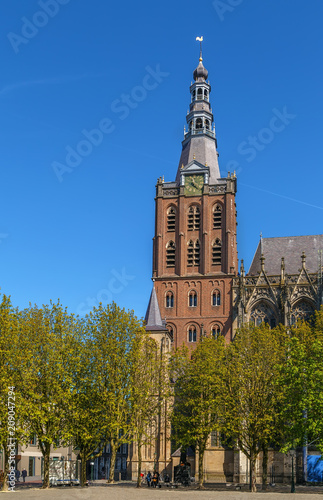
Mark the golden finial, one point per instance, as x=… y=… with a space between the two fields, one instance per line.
x=194 y=156
x=182 y=165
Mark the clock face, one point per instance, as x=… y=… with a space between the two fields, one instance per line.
x=194 y=184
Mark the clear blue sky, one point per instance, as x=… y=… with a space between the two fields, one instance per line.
x=67 y=71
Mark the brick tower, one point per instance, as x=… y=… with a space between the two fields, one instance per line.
x=195 y=249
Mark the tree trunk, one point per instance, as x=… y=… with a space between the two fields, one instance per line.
x=83 y=456
x=46 y=454
x=201 y=472
x=253 y=478
x=139 y=463
x=113 y=455
x=264 y=467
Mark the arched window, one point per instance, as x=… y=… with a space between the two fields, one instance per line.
x=216 y=331
x=207 y=124
x=200 y=93
x=169 y=299
x=171 y=219
x=301 y=311
x=194 y=95
x=217 y=217
x=205 y=94
x=216 y=298
x=192 y=298
x=199 y=123
x=216 y=252
x=192 y=334
x=170 y=254
x=193 y=218
x=171 y=332
x=263 y=313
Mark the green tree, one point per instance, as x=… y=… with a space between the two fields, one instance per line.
x=198 y=386
x=86 y=420
x=149 y=389
x=252 y=396
x=301 y=377
x=9 y=357
x=48 y=342
x=116 y=337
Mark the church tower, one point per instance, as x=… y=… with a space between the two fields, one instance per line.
x=195 y=248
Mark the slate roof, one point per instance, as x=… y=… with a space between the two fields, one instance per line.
x=153 y=317
x=291 y=248
x=203 y=149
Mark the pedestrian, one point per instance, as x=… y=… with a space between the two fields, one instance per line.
x=148 y=479
x=24 y=474
x=17 y=474
x=155 y=479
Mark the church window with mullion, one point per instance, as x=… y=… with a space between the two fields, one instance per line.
x=193 y=253
x=216 y=252
x=216 y=298
x=171 y=219
x=169 y=299
x=217 y=217
x=192 y=298
x=192 y=334
x=170 y=254
x=193 y=218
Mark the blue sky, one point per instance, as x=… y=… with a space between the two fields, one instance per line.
x=84 y=234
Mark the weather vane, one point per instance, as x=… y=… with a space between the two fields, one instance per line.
x=200 y=39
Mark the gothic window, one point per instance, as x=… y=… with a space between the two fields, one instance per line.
x=216 y=331
x=192 y=334
x=193 y=218
x=192 y=298
x=171 y=219
x=207 y=124
x=205 y=94
x=262 y=313
x=169 y=299
x=190 y=253
x=200 y=93
x=217 y=217
x=194 y=95
x=170 y=254
x=216 y=298
x=301 y=311
x=216 y=252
